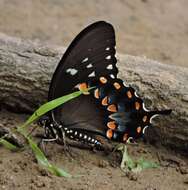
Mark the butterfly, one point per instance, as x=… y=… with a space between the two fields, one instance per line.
x=111 y=110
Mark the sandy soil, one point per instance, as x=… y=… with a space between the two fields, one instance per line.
x=156 y=29
x=19 y=170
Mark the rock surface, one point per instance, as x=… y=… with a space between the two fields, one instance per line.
x=26 y=69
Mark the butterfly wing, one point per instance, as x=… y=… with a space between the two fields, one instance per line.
x=90 y=55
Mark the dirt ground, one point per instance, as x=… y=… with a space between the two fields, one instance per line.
x=94 y=170
x=156 y=29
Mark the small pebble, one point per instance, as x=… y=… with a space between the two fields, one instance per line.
x=103 y=164
x=183 y=170
x=132 y=176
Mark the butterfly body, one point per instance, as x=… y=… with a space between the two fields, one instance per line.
x=111 y=109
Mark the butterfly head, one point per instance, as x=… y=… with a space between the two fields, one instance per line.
x=53 y=130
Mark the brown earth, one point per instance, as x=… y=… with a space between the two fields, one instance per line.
x=94 y=170
x=156 y=29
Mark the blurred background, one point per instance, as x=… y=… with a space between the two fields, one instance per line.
x=157 y=29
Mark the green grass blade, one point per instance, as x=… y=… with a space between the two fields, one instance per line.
x=8 y=145
x=50 y=106
x=43 y=161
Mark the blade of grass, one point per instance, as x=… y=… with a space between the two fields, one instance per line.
x=8 y=145
x=50 y=106
x=43 y=161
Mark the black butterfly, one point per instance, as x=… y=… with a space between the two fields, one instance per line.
x=111 y=110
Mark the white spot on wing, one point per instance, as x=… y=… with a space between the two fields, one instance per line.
x=89 y=66
x=107 y=49
x=85 y=136
x=108 y=57
x=125 y=84
x=112 y=76
x=153 y=117
x=136 y=94
x=109 y=67
x=143 y=131
x=145 y=109
x=71 y=71
x=92 y=74
x=84 y=60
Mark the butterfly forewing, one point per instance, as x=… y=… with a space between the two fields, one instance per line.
x=90 y=55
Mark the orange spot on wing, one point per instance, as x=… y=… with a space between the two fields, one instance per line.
x=96 y=93
x=109 y=133
x=125 y=137
x=112 y=108
x=139 y=129
x=145 y=118
x=83 y=87
x=111 y=125
x=103 y=80
x=129 y=94
x=137 y=105
x=117 y=85
x=105 y=101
